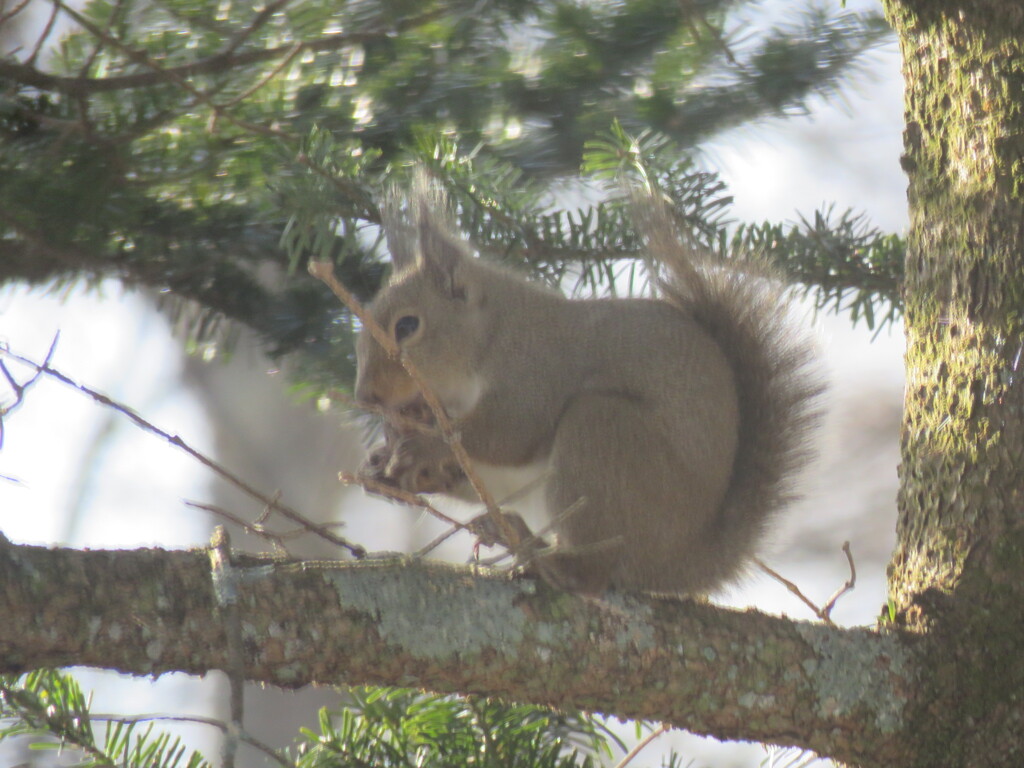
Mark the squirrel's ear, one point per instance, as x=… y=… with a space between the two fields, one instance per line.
x=441 y=256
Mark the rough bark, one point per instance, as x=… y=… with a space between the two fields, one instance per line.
x=714 y=671
x=958 y=573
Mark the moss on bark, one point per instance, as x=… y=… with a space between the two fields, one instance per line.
x=958 y=571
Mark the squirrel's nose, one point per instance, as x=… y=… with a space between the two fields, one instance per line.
x=364 y=391
x=365 y=395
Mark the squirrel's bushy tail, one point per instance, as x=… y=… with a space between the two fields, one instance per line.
x=749 y=315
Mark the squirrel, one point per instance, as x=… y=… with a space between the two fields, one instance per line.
x=664 y=431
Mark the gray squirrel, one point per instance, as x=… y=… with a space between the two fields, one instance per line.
x=664 y=431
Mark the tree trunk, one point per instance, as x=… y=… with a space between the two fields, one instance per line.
x=958 y=572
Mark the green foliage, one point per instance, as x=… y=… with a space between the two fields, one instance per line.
x=383 y=728
x=400 y=728
x=842 y=261
x=49 y=706
x=178 y=144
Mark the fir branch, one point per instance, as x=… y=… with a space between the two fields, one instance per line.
x=223 y=61
x=50 y=705
x=844 y=262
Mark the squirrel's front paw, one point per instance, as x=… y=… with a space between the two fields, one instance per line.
x=416 y=463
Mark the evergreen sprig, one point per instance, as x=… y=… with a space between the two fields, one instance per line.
x=178 y=145
x=399 y=728
x=379 y=727
x=840 y=260
x=49 y=707
x=843 y=262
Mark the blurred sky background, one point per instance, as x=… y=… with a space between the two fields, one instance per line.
x=80 y=475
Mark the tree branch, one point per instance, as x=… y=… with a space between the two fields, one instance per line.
x=734 y=675
x=223 y=61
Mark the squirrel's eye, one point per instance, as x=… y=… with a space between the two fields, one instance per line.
x=406 y=327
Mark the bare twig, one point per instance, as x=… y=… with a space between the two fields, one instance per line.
x=265 y=514
x=850 y=582
x=825 y=613
x=19 y=388
x=689 y=11
x=642 y=744
x=279 y=507
x=397 y=494
x=31 y=60
x=324 y=271
x=530 y=540
x=206 y=22
x=792 y=588
x=412 y=500
x=14 y=12
x=438 y=541
x=255 y=529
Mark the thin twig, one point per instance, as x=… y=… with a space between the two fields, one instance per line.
x=205 y=22
x=529 y=543
x=17 y=9
x=438 y=541
x=83 y=71
x=556 y=521
x=257 y=528
x=31 y=60
x=792 y=588
x=412 y=500
x=253 y=528
x=324 y=271
x=640 y=745
x=267 y=509
x=178 y=442
x=689 y=11
x=214 y=64
x=19 y=388
x=825 y=613
x=850 y=583
x=397 y=494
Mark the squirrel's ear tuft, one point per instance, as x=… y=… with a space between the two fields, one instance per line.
x=399 y=232
x=441 y=256
x=420 y=236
